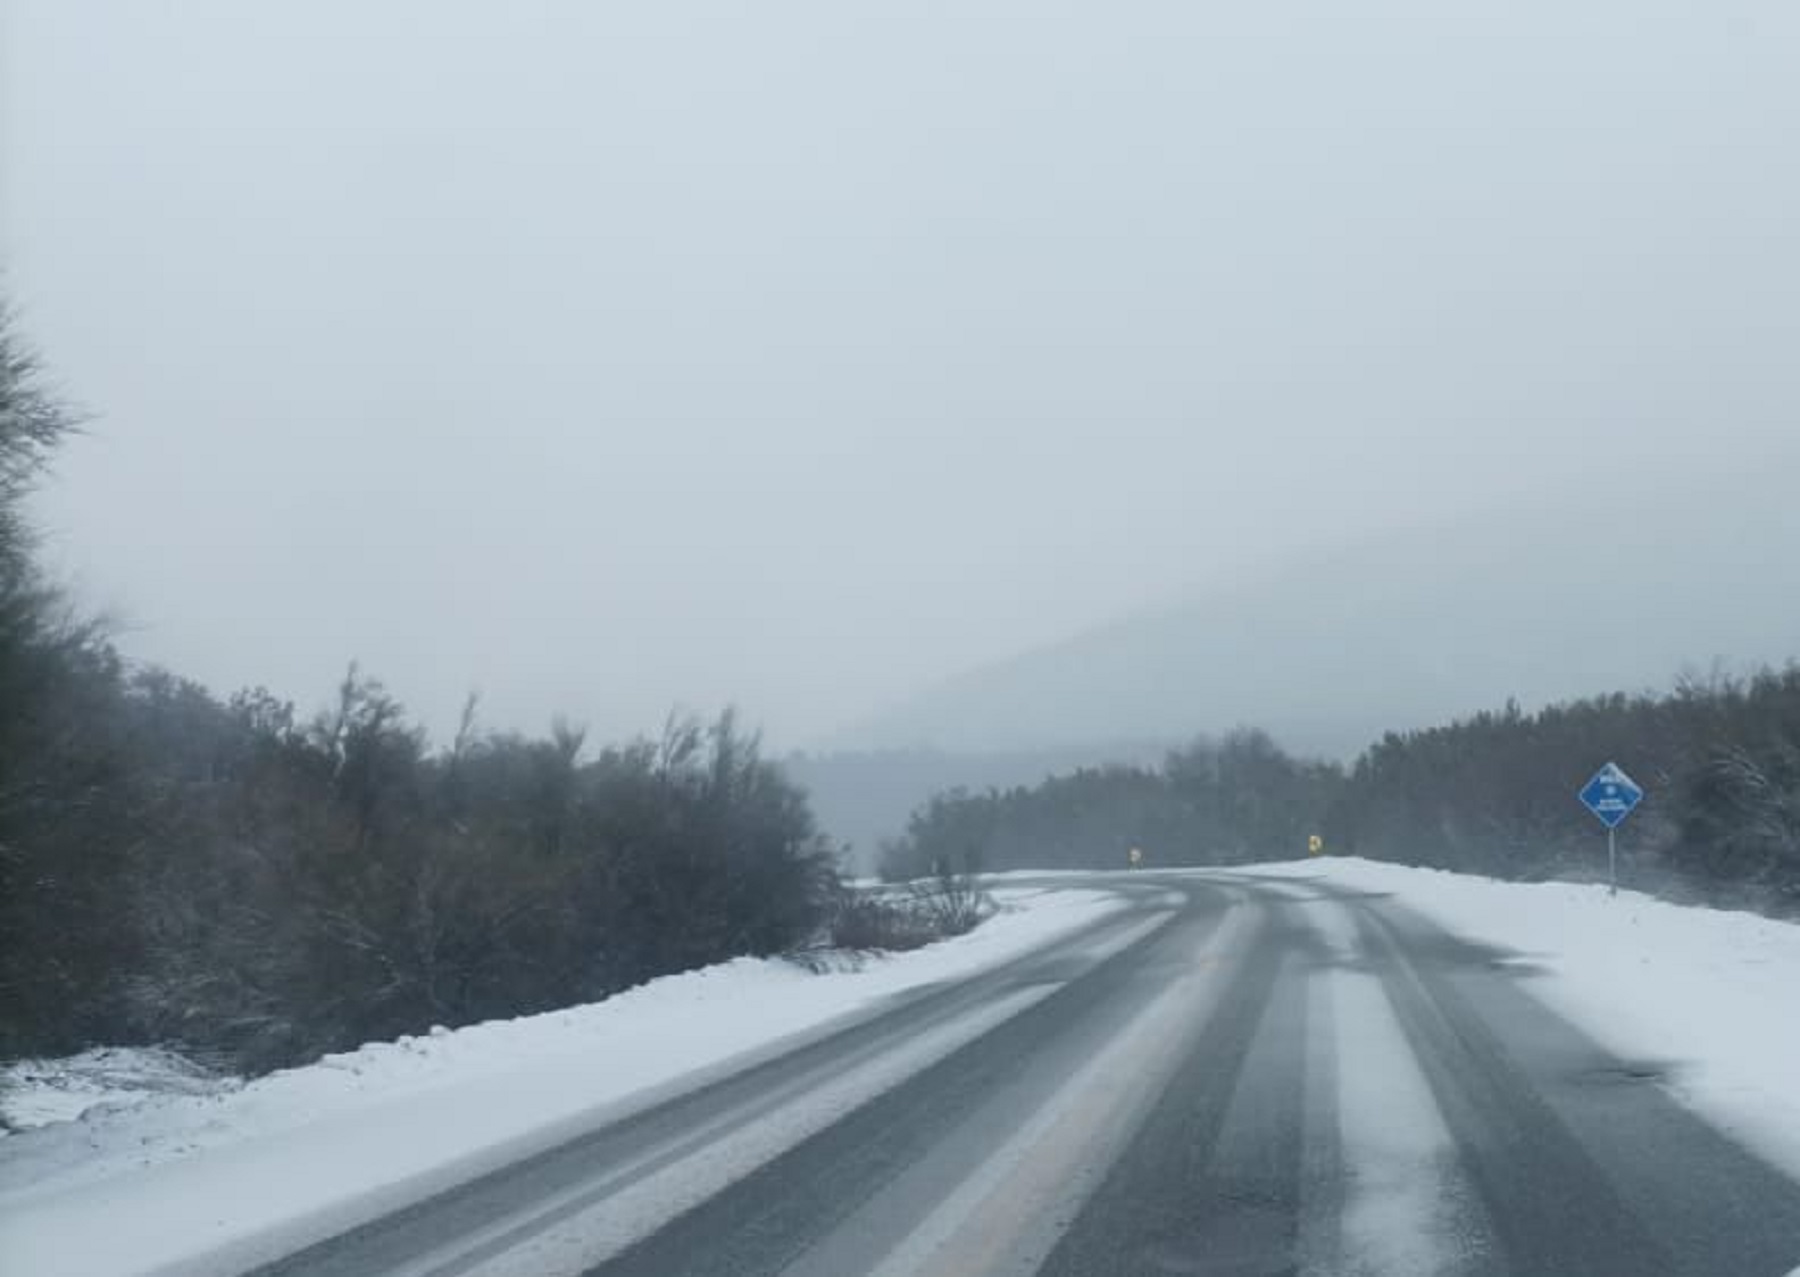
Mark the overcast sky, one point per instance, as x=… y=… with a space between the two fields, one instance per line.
x=606 y=356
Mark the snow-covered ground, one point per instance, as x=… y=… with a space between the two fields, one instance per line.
x=180 y=1172
x=201 y=1162
x=39 y=1092
x=1716 y=993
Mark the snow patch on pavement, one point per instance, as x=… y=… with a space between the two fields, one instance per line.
x=1403 y=1210
x=1715 y=991
x=129 y=1189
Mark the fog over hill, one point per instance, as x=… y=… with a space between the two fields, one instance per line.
x=1603 y=587
x=1611 y=588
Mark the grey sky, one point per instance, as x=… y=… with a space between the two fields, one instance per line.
x=604 y=356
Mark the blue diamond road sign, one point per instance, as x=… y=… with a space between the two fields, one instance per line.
x=1611 y=795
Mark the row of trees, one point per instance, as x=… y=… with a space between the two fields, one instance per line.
x=1719 y=759
x=1493 y=794
x=227 y=877
x=1210 y=802
x=233 y=877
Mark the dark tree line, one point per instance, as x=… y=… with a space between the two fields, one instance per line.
x=262 y=887
x=1492 y=794
x=1719 y=760
x=1210 y=802
x=229 y=878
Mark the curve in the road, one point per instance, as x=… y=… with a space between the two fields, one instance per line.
x=1275 y=1077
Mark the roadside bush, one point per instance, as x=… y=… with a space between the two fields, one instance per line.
x=951 y=904
x=867 y=920
x=896 y=919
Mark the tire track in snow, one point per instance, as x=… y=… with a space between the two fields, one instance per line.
x=1174 y=1204
x=1581 y=1161
x=954 y=1114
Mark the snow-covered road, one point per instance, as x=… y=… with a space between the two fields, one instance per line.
x=1330 y=1067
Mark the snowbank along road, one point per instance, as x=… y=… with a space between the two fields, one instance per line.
x=1235 y=1074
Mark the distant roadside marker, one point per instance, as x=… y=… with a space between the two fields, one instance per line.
x=1612 y=796
x=1314 y=844
x=1135 y=856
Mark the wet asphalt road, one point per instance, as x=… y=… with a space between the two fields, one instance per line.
x=1233 y=1076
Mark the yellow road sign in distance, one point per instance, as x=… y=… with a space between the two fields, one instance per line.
x=1315 y=844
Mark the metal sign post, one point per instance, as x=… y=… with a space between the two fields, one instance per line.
x=1611 y=795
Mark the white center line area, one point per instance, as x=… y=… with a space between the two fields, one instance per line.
x=1007 y=1214
x=1407 y=1207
